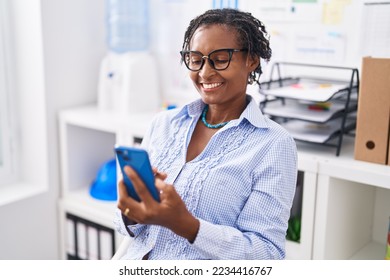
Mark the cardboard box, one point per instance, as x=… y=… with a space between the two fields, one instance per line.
x=372 y=140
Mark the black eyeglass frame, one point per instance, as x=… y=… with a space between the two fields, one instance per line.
x=211 y=62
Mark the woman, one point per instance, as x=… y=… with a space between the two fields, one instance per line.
x=226 y=173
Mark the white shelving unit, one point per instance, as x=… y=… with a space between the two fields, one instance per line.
x=352 y=205
x=303 y=249
x=87 y=139
x=345 y=203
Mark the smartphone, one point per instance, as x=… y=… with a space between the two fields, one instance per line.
x=138 y=159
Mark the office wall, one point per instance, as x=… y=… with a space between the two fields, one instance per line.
x=28 y=228
x=327 y=32
x=71 y=38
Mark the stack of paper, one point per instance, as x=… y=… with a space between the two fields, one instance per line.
x=307 y=89
x=301 y=110
x=313 y=132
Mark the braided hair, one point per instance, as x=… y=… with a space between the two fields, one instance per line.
x=251 y=32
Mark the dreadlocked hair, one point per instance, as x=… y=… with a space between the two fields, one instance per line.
x=251 y=33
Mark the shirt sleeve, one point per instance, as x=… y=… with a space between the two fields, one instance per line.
x=260 y=230
x=126 y=227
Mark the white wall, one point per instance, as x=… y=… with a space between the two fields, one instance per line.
x=74 y=45
x=329 y=31
x=28 y=223
x=59 y=47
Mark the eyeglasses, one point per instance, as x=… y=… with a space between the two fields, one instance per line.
x=218 y=59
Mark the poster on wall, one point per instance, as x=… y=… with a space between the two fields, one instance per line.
x=286 y=10
x=375 y=31
x=317 y=46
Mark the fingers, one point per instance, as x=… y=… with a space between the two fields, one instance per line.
x=139 y=186
x=147 y=209
x=161 y=186
x=167 y=191
x=158 y=174
x=125 y=202
x=161 y=175
x=122 y=189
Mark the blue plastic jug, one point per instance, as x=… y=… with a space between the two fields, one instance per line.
x=127 y=25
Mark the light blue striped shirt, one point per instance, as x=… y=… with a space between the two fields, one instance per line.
x=241 y=187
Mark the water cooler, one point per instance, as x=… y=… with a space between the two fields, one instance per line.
x=128 y=78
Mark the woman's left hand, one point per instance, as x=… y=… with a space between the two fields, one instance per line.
x=170 y=212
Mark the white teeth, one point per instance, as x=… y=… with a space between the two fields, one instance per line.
x=213 y=85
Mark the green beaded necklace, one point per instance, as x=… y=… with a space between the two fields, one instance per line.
x=214 y=126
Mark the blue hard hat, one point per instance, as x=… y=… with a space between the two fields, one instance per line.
x=104 y=185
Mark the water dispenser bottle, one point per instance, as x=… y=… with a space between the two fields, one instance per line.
x=128 y=78
x=127 y=25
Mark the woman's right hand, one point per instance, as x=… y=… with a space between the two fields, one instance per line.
x=159 y=175
x=170 y=212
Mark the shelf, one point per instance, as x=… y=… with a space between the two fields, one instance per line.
x=304 y=202
x=314 y=90
x=313 y=132
x=372 y=251
x=93 y=118
x=87 y=140
x=344 y=166
x=351 y=209
x=349 y=215
x=80 y=202
x=299 y=110
x=293 y=250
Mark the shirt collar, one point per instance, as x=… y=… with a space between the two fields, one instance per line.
x=252 y=112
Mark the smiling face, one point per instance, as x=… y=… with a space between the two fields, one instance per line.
x=223 y=87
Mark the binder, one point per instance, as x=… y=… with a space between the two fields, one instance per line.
x=93 y=242
x=106 y=248
x=70 y=238
x=82 y=241
x=373 y=119
x=87 y=240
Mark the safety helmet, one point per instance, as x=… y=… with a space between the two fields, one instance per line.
x=104 y=185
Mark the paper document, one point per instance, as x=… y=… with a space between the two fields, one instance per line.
x=302 y=111
x=307 y=90
x=312 y=132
